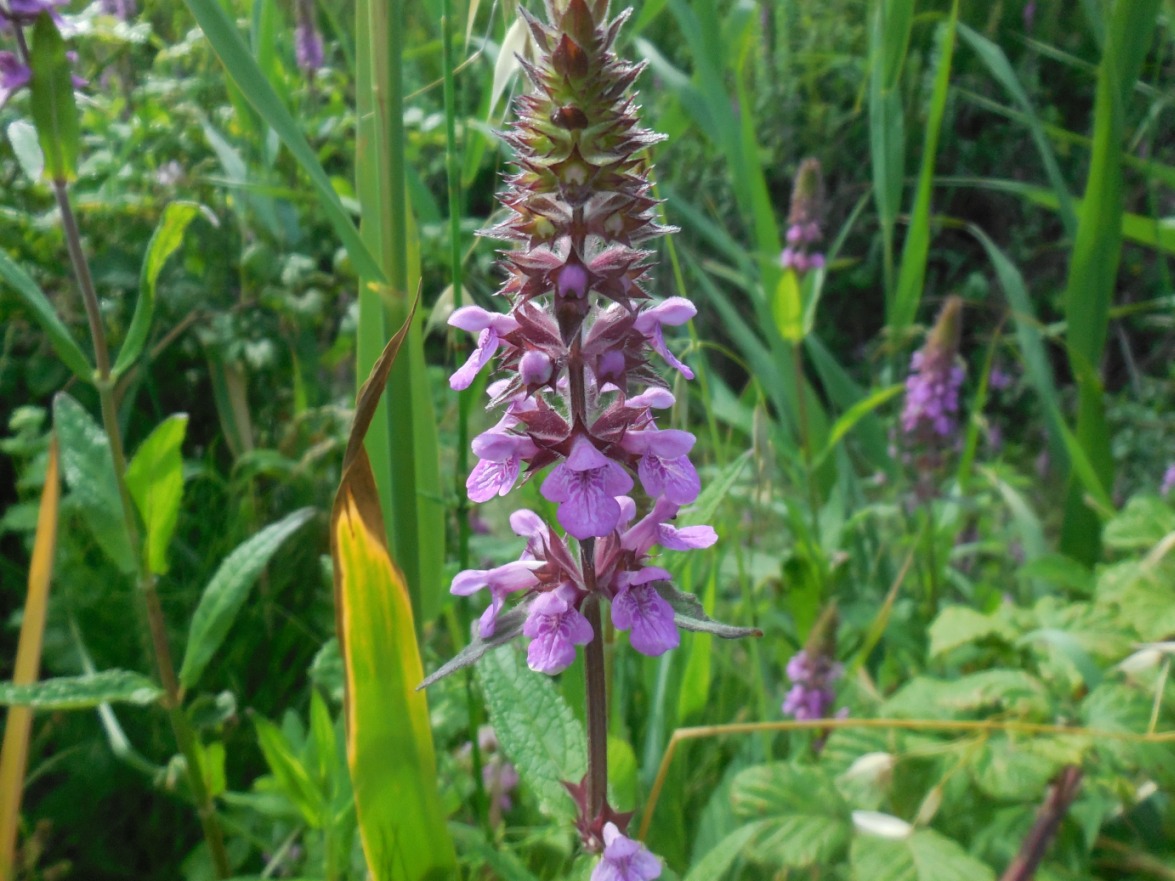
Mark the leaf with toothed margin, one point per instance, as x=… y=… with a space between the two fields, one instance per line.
x=509 y=628
x=689 y=614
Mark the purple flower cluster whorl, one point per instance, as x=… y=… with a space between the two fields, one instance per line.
x=803 y=222
x=811 y=695
x=577 y=390
x=931 y=408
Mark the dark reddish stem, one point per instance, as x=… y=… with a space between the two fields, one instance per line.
x=1062 y=793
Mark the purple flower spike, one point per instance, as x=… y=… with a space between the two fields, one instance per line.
x=673 y=312
x=491 y=327
x=308 y=51
x=639 y=608
x=585 y=487
x=502 y=580
x=625 y=859
x=811 y=697
x=555 y=628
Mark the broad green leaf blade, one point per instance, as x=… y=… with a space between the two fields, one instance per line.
x=924 y=855
x=389 y=736
x=88 y=467
x=19 y=722
x=23 y=137
x=54 y=112
x=167 y=237
x=916 y=250
x=155 y=479
x=804 y=820
x=230 y=47
x=228 y=590
x=536 y=728
x=958 y=626
x=82 y=692
x=43 y=313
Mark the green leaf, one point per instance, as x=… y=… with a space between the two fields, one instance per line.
x=688 y=614
x=42 y=311
x=155 y=479
x=504 y=865
x=1140 y=595
x=54 y=112
x=82 y=692
x=88 y=467
x=507 y=629
x=229 y=46
x=291 y=775
x=537 y=730
x=803 y=820
x=848 y=420
x=1058 y=570
x=1114 y=707
x=788 y=307
x=23 y=137
x=923 y=856
x=912 y=275
x=957 y=626
x=924 y=697
x=1020 y=768
x=228 y=590
x=168 y=236
x=721 y=857
x=1143 y=523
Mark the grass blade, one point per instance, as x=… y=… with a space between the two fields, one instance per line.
x=42 y=311
x=242 y=68
x=916 y=250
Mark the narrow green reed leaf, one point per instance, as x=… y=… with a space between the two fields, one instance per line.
x=998 y=65
x=912 y=274
x=238 y=61
x=404 y=448
x=155 y=479
x=55 y=113
x=42 y=311
x=168 y=236
x=227 y=591
x=1093 y=265
x=82 y=692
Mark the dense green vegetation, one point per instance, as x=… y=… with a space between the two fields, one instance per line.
x=987 y=610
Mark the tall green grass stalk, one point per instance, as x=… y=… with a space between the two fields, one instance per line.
x=1093 y=265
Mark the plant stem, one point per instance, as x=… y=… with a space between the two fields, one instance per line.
x=1061 y=795
x=597 y=691
x=173 y=700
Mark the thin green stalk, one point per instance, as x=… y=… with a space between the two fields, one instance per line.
x=184 y=735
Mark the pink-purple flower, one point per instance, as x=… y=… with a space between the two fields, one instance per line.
x=585 y=486
x=490 y=327
x=555 y=627
x=625 y=859
x=13 y=76
x=502 y=581
x=811 y=695
x=639 y=609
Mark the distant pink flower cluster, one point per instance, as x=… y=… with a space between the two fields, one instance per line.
x=803 y=230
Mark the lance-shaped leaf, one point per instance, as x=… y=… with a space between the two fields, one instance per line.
x=167 y=237
x=81 y=692
x=689 y=614
x=155 y=479
x=14 y=756
x=42 y=311
x=88 y=467
x=228 y=590
x=508 y=628
x=389 y=737
x=54 y=112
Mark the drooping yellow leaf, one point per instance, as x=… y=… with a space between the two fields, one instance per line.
x=14 y=754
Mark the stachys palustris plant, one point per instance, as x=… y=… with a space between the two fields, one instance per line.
x=578 y=395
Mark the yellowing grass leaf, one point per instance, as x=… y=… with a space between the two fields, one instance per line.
x=389 y=740
x=14 y=756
